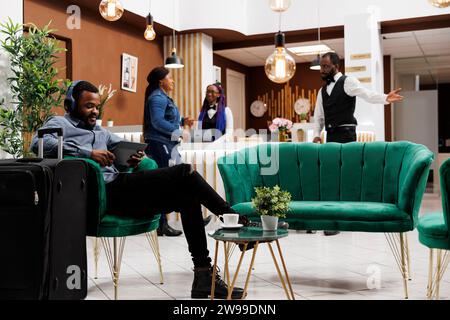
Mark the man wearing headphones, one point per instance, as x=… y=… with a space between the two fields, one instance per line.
x=149 y=191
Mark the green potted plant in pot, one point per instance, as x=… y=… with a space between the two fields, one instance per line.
x=33 y=82
x=271 y=203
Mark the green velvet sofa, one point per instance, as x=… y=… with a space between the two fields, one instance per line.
x=365 y=187
x=434 y=233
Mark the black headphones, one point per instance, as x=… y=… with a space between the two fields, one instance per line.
x=69 y=101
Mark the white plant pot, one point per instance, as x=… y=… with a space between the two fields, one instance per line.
x=98 y=122
x=269 y=223
x=110 y=123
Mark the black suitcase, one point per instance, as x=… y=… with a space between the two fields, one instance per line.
x=43 y=205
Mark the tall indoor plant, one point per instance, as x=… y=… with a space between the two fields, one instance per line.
x=33 y=82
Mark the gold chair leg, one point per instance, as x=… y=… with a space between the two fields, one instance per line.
x=435 y=276
x=438 y=276
x=152 y=238
x=408 y=256
x=399 y=249
x=430 y=274
x=114 y=255
x=96 y=250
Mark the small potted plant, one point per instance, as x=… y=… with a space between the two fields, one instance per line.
x=110 y=122
x=105 y=93
x=282 y=126
x=303 y=118
x=271 y=203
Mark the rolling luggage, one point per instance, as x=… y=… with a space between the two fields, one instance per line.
x=43 y=205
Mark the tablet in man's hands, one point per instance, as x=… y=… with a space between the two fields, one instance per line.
x=124 y=151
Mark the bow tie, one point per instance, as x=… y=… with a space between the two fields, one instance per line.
x=213 y=107
x=330 y=81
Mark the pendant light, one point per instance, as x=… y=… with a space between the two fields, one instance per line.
x=174 y=61
x=111 y=10
x=280 y=66
x=315 y=64
x=440 y=3
x=149 y=33
x=279 y=5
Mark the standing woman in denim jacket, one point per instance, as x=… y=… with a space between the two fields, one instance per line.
x=162 y=128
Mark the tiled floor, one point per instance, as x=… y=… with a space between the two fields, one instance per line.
x=345 y=266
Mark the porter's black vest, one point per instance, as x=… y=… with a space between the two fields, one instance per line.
x=339 y=107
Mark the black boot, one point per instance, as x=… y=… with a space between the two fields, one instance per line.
x=201 y=287
x=168 y=231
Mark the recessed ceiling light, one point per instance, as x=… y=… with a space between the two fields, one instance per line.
x=310 y=50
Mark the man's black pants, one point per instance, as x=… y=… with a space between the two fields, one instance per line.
x=341 y=134
x=178 y=188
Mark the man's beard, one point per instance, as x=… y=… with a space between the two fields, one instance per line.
x=84 y=124
x=329 y=76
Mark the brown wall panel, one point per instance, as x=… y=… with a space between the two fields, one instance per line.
x=387 y=108
x=96 y=53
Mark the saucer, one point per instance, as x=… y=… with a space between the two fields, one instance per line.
x=234 y=226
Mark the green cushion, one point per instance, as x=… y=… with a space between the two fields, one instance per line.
x=120 y=226
x=341 y=215
x=433 y=232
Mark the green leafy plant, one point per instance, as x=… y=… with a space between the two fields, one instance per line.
x=33 y=82
x=271 y=201
x=10 y=126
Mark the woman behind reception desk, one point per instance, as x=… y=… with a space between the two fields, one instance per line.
x=162 y=128
x=215 y=119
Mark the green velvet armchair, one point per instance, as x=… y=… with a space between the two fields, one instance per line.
x=434 y=232
x=113 y=229
x=364 y=187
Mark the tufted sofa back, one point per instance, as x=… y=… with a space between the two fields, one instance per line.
x=374 y=172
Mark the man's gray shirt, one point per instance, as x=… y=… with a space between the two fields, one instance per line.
x=78 y=141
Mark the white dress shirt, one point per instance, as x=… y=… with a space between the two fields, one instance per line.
x=353 y=88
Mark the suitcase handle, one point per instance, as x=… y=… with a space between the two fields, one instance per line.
x=42 y=132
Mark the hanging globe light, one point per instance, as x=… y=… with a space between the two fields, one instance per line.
x=279 y=5
x=111 y=10
x=149 y=33
x=440 y=3
x=280 y=66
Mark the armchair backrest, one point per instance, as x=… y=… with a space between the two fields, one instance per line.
x=390 y=172
x=444 y=172
x=97 y=201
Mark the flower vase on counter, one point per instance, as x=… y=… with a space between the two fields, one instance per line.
x=282 y=126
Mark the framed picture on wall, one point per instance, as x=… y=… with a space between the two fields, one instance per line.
x=129 y=72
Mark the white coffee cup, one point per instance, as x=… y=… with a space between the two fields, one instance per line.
x=230 y=219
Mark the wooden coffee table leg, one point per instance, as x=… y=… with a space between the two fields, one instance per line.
x=285 y=270
x=230 y=288
x=250 y=268
x=279 y=272
x=213 y=284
